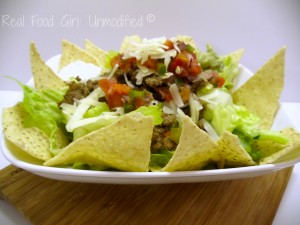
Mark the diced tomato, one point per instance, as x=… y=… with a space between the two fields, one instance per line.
x=169 y=44
x=150 y=63
x=164 y=93
x=195 y=68
x=217 y=80
x=124 y=64
x=138 y=102
x=186 y=63
x=114 y=92
x=185 y=93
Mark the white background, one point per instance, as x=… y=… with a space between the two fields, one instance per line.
x=259 y=26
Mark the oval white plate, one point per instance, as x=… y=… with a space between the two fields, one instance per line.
x=113 y=177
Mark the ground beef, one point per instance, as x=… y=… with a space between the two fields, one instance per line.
x=195 y=86
x=159 y=138
x=169 y=120
x=154 y=81
x=160 y=141
x=79 y=90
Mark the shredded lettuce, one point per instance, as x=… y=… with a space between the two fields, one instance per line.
x=160 y=159
x=97 y=110
x=155 y=111
x=229 y=70
x=244 y=124
x=209 y=59
x=225 y=65
x=231 y=117
x=90 y=127
x=110 y=55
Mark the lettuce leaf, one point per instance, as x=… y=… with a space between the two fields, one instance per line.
x=225 y=65
x=159 y=159
x=232 y=117
x=229 y=70
x=155 y=111
x=43 y=109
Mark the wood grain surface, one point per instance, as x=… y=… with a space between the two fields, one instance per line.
x=45 y=201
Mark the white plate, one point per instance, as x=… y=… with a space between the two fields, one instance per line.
x=113 y=177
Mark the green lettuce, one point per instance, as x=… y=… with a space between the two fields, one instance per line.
x=155 y=111
x=229 y=70
x=238 y=120
x=224 y=65
x=43 y=109
x=160 y=159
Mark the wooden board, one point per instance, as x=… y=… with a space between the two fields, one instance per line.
x=45 y=201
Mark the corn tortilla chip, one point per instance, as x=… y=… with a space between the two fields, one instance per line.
x=31 y=140
x=93 y=50
x=195 y=148
x=187 y=40
x=123 y=145
x=72 y=53
x=237 y=55
x=261 y=93
x=231 y=153
x=43 y=76
x=127 y=42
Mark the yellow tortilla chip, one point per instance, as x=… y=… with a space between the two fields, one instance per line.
x=72 y=53
x=127 y=42
x=237 y=55
x=195 y=148
x=231 y=153
x=187 y=40
x=261 y=93
x=93 y=50
x=31 y=140
x=123 y=145
x=275 y=152
x=43 y=76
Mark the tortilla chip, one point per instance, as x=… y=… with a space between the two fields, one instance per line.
x=43 y=76
x=195 y=148
x=187 y=40
x=127 y=42
x=31 y=140
x=72 y=53
x=274 y=152
x=261 y=93
x=231 y=153
x=123 y=145
x=237 y=55
x=93 y=50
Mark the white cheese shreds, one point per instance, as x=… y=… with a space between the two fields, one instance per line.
x=82 y=107
x=170 y=107
x=195 y=108
x=210 y=130
x=176 y=95
x=142 y=50
x=216 y=97
x=128 y=82
x=142 y=72
x=112 y=72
